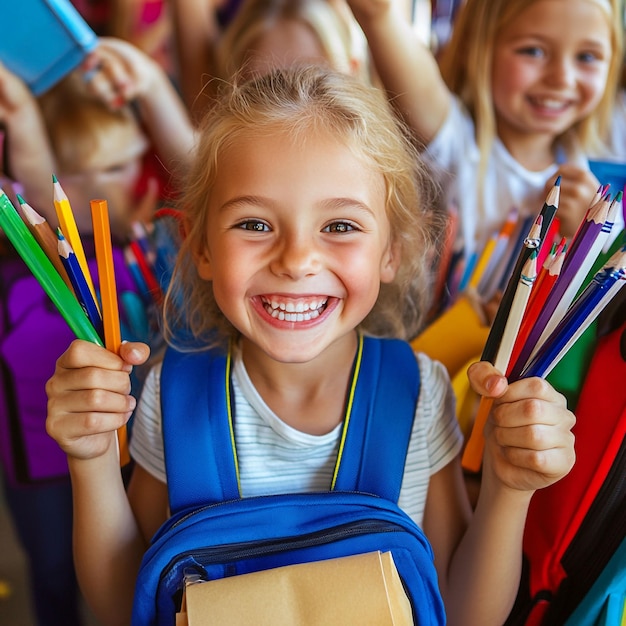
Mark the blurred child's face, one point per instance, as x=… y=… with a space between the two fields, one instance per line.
x=550 y=68
x=298 y=242
x=109 y=173
x=285 y=43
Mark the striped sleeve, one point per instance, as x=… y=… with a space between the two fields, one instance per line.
x=436 y=438
x=146 y=440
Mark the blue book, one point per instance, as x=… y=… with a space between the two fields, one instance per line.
x=43 y=40
x=610 y=172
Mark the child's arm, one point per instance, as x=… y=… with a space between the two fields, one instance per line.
x=29 y=157
x=88 y=400
x=406 y=67
x=528 y=445
x=120 y=73
x=196 y=30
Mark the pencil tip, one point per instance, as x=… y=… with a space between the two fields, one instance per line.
x=20 y=199
x=54 y=179
x=558 y=182
x=619 y=196
x=60 y=234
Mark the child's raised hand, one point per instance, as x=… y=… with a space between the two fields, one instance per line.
x=14 y=93
x=528 y=440
x=578 y=187
x=118 y=72
x=89 y=396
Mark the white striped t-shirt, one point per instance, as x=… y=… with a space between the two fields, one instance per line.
x=276 y=458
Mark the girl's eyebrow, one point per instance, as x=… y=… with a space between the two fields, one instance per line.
x=328 y=204
x=533 y=38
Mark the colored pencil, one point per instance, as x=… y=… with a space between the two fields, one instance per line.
x=594 y=298
x=106 y=274
x=538 y=297
x=133 y=267
x=70 y=230
x=483 y=261
x=472 y=455
x=511 y=254
x=79 y=284
x=485 y=285
x=446 y=256
x=108 y=294
x=531 y=242
x=576 y=266
x=45 y=236
x=154 y=288
x=43 y=270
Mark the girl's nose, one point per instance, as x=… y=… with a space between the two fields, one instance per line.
x=562 y=72
x=296 y=256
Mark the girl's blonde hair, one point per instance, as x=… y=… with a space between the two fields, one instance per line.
x=303 y=102
x=338 y=33
x=466 y=66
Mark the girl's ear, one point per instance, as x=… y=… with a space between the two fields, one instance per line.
x=390 y=262
x=199 y=254
x=203 y=264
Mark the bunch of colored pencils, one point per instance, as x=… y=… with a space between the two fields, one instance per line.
x=58 y=262
x=546 y=308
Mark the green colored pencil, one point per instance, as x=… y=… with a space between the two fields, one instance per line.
x=45 y=273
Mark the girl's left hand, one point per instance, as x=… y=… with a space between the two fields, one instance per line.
x=529 y=442
x=578 y=187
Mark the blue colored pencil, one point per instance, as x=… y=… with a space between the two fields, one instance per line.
x=79 y=283
x=594 y=298
x=576 y=265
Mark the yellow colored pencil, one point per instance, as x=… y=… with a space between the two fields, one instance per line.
x=108 y=295
x=69 y=229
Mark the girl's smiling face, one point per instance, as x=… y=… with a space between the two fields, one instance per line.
x=550 y=67
x=297 y=242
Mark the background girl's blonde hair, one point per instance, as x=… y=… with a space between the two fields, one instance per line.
x=338 y=33
x=302 y=103
x=80 y=125
x=466 y=65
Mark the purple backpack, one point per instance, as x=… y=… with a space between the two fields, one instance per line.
x=32 y=337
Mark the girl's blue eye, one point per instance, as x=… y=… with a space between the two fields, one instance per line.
x=339 y=227
x=259 y=227
x=531 y=51
x=587 y=57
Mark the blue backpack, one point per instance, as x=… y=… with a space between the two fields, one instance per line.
x=214 y=532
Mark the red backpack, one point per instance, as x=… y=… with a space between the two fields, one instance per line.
x=576 y=525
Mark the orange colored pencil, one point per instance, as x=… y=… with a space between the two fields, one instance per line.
x=108 y=294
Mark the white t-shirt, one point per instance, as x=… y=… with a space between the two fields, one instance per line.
x=618 y=129
x=276 y=458
x=454 y=156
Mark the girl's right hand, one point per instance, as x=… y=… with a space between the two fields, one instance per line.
x=89 y=396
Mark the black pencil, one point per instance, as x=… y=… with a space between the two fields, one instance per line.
x=531 y=243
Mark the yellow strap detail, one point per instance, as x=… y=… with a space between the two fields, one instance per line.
x=346 y=421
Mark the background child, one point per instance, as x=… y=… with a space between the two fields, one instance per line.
x=96 y=151
x=277 y=33
x=525 y=93
x=306 y=196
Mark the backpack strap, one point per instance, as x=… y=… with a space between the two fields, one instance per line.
x=198 y=433
x=198 y=436
x=384 y=392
